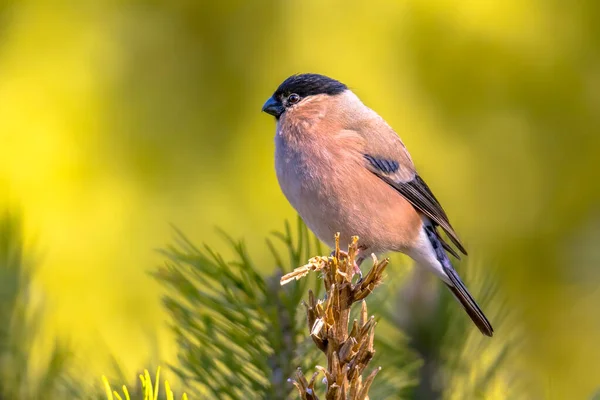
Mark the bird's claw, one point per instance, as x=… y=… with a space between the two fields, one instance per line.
x=355 y=267
x=359 y=273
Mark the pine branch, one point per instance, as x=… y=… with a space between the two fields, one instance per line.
x=20 y=325
x=239 y=333
x=452 y=353
x=349 y=350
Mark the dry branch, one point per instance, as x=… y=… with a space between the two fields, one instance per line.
x=349 y=348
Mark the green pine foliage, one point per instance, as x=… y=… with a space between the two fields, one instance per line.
x=20 y=326
x=242 y=335
x=455 y=360
x=147 y=390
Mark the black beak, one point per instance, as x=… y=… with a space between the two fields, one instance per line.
x=273 y=107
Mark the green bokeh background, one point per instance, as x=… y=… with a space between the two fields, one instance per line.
x=118 y=118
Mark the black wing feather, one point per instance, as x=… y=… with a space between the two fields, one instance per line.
x=448 y=248
x=420 y=196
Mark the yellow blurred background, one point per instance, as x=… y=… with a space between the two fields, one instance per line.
x=119 y=118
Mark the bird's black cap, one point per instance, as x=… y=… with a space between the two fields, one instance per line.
x=309 y=85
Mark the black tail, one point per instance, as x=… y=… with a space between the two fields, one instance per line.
x=461 y=293
x=457 y=287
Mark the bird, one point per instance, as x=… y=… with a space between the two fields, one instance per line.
x=344 y=169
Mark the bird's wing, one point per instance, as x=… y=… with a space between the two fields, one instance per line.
x=386 y=157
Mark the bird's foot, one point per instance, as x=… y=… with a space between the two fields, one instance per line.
x=358 y=272
x=355 y=266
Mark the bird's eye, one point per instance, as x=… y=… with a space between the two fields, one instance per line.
x=293 y=98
